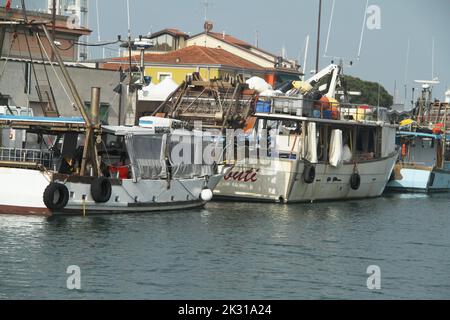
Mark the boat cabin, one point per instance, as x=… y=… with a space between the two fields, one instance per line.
x=423 y=149
x=138 y=153
x=325 y=140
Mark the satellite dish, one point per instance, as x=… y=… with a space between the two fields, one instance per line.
x=208 y=26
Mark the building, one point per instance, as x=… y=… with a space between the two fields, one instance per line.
x=13 y=42
x=18 y=88
x=38 y=87
x=208 y=62
x=277 y=69
x=168 y=40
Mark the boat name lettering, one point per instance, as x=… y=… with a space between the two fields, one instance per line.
x=243 y=176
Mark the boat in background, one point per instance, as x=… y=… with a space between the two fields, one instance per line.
x=424 y=162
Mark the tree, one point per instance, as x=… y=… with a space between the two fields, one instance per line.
x=369 y=92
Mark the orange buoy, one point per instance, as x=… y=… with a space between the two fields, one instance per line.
x=404 y=150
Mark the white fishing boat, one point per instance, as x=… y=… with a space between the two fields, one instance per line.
x=314 y=159
x=315 y=151
x=55 y=165
x=137 y=172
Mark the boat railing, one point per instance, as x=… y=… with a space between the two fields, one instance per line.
x=329 y=110
x=39 y=157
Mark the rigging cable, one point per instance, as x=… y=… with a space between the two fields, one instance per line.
x=8 y=55
x=54 y=70
x=48 y=81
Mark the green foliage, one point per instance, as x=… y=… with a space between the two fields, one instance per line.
x=369 y=92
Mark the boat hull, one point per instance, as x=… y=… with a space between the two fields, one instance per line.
x=280 y=180
x=22 y=193
x=418 y=179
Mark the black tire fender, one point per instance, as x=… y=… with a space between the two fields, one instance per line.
x=355 y=181
x=101 y=190
x=309 y=173
x=56 y=196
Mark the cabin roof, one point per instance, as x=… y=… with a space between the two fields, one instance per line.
x=329 y=121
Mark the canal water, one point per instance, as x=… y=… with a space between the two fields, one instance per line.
x=235 y=251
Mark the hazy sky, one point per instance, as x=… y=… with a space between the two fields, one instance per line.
x=288 y=22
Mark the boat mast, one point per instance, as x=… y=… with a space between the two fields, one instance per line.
x=53 y=25
x=89 y=150
x=318 y=35
x=129 y=43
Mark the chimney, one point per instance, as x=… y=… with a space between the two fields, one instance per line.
x=223 y=35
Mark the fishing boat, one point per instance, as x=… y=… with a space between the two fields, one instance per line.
x=312 y=159
x=316 y=150
x=134 y=173
x=295 y=144
x=57 y=165
x=424 y=163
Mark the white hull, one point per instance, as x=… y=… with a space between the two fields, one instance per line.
x=22 y=193
x=281 y=181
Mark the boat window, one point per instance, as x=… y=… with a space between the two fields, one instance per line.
x=366 y=144
x=114 y=157
x=148 y=156
x=428 y=143
x=186 y=156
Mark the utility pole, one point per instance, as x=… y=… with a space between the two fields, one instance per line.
x=318 y=36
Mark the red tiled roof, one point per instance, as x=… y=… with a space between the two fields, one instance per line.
x=197 y=55
x=171 y=31
x=231 y=39
x=240 y=43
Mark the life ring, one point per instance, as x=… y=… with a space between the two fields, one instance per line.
x=101 y=190
x=309 y=174
x=56 y=196
x=355 y=181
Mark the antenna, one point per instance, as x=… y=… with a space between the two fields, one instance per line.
x=206 y=5
x=129 y=20
x=306 y=55
x=350 y=64
x=432 y=57
x=99 y=38
x=362 y=31
x=329 y=27
x=406 y=68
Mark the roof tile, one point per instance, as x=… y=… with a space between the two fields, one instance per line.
x=198 y=55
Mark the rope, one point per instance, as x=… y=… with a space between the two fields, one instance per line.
x=54 y=70
x=8 y=56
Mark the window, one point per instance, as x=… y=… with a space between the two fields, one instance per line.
x=163 y=76
x=164 y=42
x=103 y=113
x=4 y=100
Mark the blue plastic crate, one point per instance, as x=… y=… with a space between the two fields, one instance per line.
x=263 y=107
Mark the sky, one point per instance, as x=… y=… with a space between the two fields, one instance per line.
x=286 y=23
